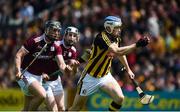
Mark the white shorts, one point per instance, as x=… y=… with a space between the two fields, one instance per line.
x=53 y=88
x=27 y=80
x=89 y=85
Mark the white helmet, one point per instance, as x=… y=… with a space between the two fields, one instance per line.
x=112 y=22
x=74 y=30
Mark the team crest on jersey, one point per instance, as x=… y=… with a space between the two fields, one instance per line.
x=52 y=48
x=69 y=54
x=65 y=53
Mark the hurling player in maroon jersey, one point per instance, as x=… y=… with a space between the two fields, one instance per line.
x=31 y=81
x=53 y=86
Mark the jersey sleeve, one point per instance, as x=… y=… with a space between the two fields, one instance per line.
x=29 y=44
x=102 y=41
x=58 y=50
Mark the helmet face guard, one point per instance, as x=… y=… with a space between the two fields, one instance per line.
x=52 y=30
x=111 y=22
x=71 y=36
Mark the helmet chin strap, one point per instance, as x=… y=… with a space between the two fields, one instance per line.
x=112 y=34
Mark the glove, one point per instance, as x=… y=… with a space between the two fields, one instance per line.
x=142 y=42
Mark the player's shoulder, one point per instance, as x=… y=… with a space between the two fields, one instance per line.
x=33 y=40
x=36 y=38
x=97 y=36
x=57 y=43
x=100 y=36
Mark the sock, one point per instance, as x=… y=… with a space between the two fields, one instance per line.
x=114 y=106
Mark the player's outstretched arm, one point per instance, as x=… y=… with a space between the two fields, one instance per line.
x=142 y=42
x=63 y=67
x=120 y=51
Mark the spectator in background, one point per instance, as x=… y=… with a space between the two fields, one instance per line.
x=27 y=11
x=153 y=26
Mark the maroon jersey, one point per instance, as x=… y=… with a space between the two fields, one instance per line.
x=45 y=63
x=67 y=52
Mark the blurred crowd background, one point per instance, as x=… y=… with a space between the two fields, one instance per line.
x=157 y=67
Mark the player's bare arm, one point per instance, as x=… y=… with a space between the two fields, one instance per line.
x=18 y=60
x=121 y=50
x=127 y=49
x=63 y=67
x=123 y=60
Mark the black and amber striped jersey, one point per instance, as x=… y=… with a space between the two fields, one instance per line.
x=99 y=63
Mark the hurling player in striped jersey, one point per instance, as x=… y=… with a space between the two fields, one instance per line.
x=96 y=74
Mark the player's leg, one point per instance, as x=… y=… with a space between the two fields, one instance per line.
x=112 y=88
x=79 y=102
x=27 y=100
x=31 y=86
x=60 y=101
x=87 y=85
x=58 y=93
x=50 y=101
x=39 y=94
x=27 y=96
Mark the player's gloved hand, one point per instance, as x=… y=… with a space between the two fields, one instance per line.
x=142 y=42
